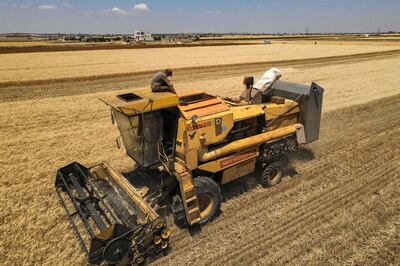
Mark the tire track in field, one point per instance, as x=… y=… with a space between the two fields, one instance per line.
x=354 y=232
x=383 y=246
x=348 y=169
x=290 y=231
x=383 y=162
x=316 y=239
x=326 y=218
x=292 y=223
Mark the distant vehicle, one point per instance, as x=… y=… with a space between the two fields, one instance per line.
x=267 y=42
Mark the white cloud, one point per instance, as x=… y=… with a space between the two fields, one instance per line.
x=118 y=10
x=65 y=4
x=141 y=7
x=214 y=12
x=47 y=7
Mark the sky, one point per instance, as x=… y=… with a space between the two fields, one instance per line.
x=172 y=16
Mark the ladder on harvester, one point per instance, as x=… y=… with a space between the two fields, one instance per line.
x=189 y=198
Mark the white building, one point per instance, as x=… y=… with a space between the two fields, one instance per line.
x=141 y=35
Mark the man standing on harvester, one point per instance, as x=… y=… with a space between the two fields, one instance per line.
x=161 y=83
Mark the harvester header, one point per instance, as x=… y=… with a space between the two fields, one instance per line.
x=114 y=215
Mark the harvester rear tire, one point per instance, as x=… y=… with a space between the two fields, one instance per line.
x=272 y=174
x=209 y=196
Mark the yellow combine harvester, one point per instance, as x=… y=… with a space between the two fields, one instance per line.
x=187 y=145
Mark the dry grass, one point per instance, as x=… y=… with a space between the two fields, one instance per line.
x=52 y=65
x=342 y=202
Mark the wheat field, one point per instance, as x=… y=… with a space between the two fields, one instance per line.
x=55 y=65
x=337 y=205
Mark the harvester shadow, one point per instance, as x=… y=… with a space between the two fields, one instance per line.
x=145 y=183
x=148 y=184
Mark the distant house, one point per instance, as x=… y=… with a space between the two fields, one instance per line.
x=141 y=35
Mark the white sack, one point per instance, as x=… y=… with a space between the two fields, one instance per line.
x=267 y=79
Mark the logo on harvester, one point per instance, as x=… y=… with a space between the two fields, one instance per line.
x=198 y=125
x=238 y=158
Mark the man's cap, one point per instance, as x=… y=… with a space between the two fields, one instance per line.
x=168 y=72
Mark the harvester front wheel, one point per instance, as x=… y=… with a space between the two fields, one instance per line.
x=209 y=197
x=272 y=174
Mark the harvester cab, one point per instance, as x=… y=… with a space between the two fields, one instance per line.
x=147 y=123
x=191 y=144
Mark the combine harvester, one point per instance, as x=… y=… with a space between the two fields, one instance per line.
x=186 y=146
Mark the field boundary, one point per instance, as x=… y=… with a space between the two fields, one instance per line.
x=74 y=48
x=208 y=68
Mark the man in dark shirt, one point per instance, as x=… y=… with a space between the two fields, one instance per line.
x=161 y=83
